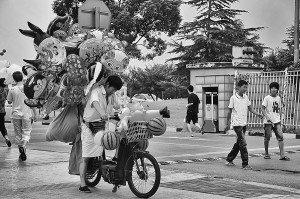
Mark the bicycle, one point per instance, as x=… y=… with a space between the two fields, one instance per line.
x=136 y=167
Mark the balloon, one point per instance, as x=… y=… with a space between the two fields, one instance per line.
x=35 y=86
x=91 y=51
x=8 y=71
x=114 y=43
x=115 y=60
x=59 y=23
x=95 y=33
x=75 y=70
x=35 y=33
x=52 y=53
x=98 y=138
x=60 y=34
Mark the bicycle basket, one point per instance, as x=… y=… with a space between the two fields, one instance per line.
x=137 y=131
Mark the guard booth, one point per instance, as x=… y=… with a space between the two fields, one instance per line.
x=94 y=14
x=210 y=102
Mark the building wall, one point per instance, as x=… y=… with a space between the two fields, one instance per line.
x=223 y=79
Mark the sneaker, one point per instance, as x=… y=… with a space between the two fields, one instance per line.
x=8 y=142
x=246 y=167
x=192 y=135
x=165 y=112
x=267 y=156
x=22 y=156
x=84 y=189
x=230 y=164
x=114 y=159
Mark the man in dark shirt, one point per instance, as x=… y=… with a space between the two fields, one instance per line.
x=192 y=109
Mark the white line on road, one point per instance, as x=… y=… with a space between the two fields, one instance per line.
x=186 y=138
x=198 y=145
x=220 y=152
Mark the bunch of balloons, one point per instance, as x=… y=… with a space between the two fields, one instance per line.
x=69 y=62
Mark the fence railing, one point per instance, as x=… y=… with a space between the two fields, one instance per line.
x=289 y=92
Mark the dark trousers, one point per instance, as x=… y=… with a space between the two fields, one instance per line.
x=239 y=146
x=2 y=124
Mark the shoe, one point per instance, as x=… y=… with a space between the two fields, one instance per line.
x=8 y=142
x=201 y=131
x=192 y=135
x=267 y=156
x=84 y=189
x=285 y=158
x=165 y=112
x=114 y=159
x=22 y=156
x=230 y=164
x=246 y=167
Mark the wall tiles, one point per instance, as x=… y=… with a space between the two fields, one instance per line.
x=199 y=80
x=210 y=80
x=220 y=79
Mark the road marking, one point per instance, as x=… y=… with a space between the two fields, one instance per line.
x=175 y=176
x=186 y=138
x=219 y=152
x=191 y=145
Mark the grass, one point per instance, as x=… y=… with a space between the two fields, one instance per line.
x=176 y=107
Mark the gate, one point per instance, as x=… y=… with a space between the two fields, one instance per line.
x=289 y=92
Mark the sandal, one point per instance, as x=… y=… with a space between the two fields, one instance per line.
x=84 y=189
x=285 y=158
x=267 y=157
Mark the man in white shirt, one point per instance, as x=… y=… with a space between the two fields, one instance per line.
x=238 y=107
x=271 y=108
x=100 y=105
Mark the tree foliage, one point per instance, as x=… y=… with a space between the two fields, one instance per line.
x=157 y=79
x=138 y=22
x=282 y=58
x=213 y=33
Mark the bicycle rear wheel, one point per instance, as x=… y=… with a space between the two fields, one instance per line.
x=144 y=175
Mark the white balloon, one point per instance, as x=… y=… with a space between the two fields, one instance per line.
x=98 y=138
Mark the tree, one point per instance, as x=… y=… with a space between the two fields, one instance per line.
x=213 y=33
x=155 y=80
x=138 y=22
x=281 y=58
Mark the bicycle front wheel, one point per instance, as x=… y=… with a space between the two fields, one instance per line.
x=144 y=175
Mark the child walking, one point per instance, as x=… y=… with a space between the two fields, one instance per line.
x=271 y=108
x=238 y=107
x=3 y=95
x=21 y=114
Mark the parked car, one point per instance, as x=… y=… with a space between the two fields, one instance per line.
x=144 y=98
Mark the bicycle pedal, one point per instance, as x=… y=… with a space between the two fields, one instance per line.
x=115 y=189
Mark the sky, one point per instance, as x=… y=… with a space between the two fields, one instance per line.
x=275 y=15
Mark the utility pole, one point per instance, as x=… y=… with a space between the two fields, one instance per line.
x=296 y=33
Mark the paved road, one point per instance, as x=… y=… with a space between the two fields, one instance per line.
x=191 y=168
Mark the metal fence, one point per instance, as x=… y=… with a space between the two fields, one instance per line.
x=289 y=92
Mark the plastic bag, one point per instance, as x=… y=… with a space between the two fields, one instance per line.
x=65 y=126
x=75 y=156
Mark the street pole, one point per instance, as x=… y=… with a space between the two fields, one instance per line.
x=296 y=32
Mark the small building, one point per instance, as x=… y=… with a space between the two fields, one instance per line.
x=214 y=84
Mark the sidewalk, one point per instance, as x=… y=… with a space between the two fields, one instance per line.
x=45 y=175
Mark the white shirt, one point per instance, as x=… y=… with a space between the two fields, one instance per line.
x=273 y=107
x=239 y=107
x=19 y=109
x=98 y=94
